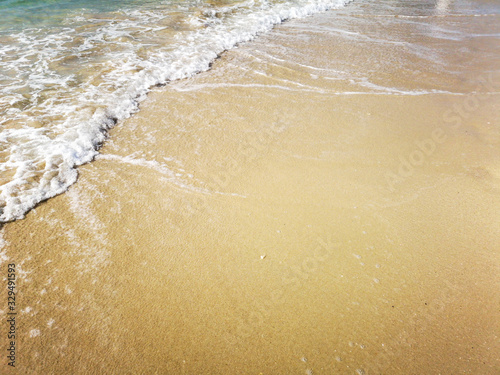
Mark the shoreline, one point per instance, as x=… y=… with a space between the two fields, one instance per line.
x=251 y=219
x=83 y=149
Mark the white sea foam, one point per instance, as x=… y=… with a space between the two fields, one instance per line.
x=61 y=91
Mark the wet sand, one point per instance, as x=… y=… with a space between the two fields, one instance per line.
x=324 y=200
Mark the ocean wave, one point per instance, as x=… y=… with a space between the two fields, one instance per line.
x=64 y=86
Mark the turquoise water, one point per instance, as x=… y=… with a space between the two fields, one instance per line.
x=70 y=70
x=20 y=14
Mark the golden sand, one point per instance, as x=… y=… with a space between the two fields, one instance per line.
x=258 y=219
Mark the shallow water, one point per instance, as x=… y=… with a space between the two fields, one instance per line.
x=71 y=70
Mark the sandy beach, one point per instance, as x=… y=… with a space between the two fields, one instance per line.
x=324 y=200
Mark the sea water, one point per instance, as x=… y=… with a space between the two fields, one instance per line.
x=70 y=70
